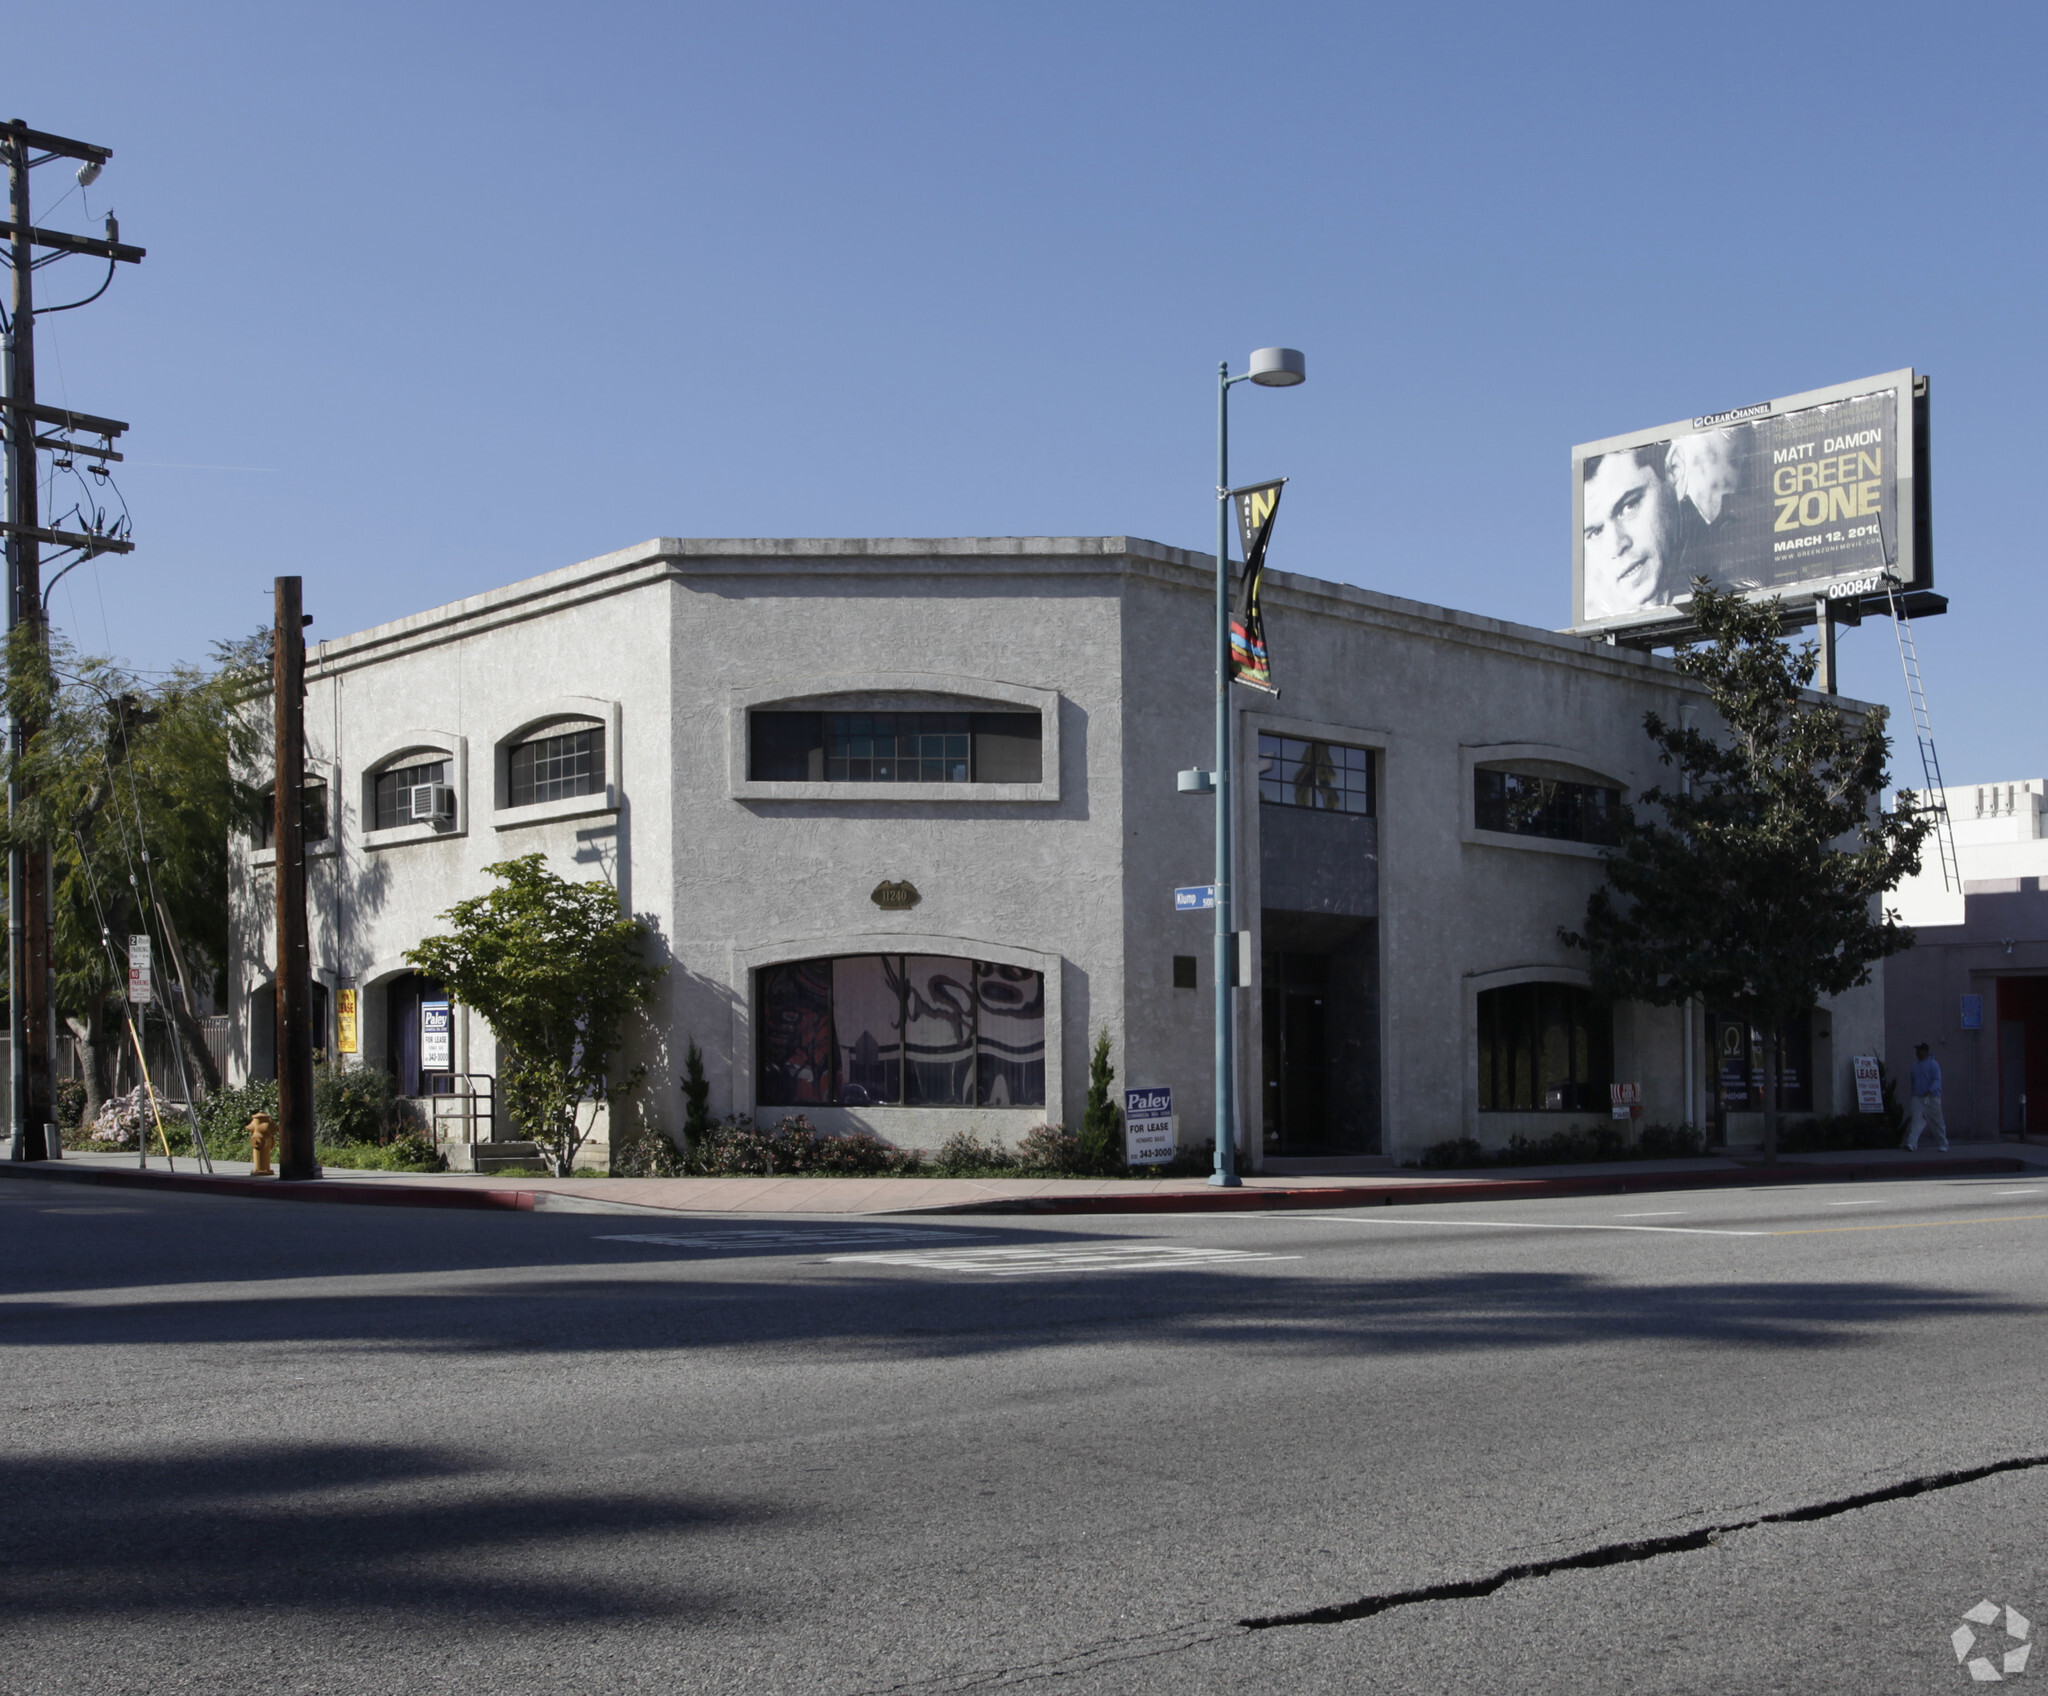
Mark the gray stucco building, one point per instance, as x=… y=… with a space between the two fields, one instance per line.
x=904 y=816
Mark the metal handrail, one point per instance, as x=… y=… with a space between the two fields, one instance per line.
x=466 y=1103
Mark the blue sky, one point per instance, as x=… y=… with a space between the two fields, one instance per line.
x=442 y=296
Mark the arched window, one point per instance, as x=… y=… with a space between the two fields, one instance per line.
x=556 y=762
x=1544 y=1048
x=391 y=788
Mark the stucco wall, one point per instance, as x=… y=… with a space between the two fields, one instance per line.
x=1112 y=637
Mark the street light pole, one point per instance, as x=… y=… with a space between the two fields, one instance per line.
x=1225 y=1174
x=1274 y=368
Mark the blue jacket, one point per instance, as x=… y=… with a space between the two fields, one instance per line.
x=1927 y=1077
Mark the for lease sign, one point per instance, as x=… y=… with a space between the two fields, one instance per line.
x=1148 y=1126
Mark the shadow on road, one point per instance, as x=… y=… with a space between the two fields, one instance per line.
x=357 y=1528
x=927 y=1316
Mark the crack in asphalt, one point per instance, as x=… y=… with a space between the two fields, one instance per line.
x=1641 y=1549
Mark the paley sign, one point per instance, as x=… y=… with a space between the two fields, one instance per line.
x=437 y=1037
x=1148 y=1126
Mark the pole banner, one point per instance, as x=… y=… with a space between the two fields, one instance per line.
x=1249 y=662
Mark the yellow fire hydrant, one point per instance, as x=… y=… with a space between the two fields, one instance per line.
x=262 y=1130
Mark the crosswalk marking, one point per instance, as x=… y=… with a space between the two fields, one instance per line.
x=1093 y=1257
x=842 y=1238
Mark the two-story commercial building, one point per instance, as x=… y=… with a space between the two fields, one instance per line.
x=904 y=818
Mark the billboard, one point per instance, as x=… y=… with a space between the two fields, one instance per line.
x=1815 y=496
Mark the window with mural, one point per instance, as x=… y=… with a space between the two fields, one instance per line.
x=1544 y=1048
x=1326 y=775
x=1520 y=805
x=909 y=1030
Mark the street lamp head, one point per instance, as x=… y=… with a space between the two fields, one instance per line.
x=1278 y=367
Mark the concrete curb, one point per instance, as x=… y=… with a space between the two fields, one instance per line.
x=275 y=1189
x=1248 y=1200
x=1480 y=1189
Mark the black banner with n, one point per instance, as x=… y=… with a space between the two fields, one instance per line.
x=1249 y=662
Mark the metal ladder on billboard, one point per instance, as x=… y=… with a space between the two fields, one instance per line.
x=1934 y=798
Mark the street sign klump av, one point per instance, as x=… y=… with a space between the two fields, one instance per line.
x=1195 y=898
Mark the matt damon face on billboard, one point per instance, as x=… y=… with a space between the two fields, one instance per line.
x=1798 y=497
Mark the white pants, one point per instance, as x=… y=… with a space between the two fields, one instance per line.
x=1925 y=1115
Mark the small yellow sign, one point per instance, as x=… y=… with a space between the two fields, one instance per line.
x=345 y=1018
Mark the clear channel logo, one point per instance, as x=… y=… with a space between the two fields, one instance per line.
x=2004 y=1653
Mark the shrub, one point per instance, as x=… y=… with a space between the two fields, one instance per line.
x=794 y=1147
x=224 y=1116
x=1102 y=1125
x=401 y=1154
x=353 y=1104
x=1051 y=1150
x=965 y=1155
x=1671 y=1142
x=645 y=1151
x=1575 y=1145
x=121 y=1120
x=70 y=1103
x=696 y=1100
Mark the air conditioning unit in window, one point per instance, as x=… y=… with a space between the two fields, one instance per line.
x=429 y=803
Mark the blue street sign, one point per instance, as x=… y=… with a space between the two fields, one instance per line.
x=1194 y=899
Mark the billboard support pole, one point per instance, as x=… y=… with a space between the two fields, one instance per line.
x=1829 y=680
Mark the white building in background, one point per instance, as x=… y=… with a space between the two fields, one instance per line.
x=1975 y=985
x=903 y=815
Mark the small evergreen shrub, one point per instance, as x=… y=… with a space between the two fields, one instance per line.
x=70 y=1103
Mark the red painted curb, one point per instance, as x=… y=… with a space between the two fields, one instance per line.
x=1250 y=1200
x=276 y=1189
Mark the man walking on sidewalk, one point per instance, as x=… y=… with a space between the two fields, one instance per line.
x=1925 y=1113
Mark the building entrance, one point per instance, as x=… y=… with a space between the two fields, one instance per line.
x=2022 y=1056
x=1319 y=988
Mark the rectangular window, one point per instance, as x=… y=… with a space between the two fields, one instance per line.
x=1741 y=1064
x=1294 y=772
x=893 y=747
x=557 y=766
x=1544 y=1048
x=1521 y=805
x=875 y=1030
x=313 y=802
x=786 y=747
x=391 y=786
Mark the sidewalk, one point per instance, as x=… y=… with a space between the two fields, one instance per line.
x=844 y=1196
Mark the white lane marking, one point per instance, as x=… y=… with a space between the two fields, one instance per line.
x=2034 y=1191
x=1662 y=1213
x=1875 y=1201
x=1019 y=1262
x=843 y=1238
x=1518 y=1225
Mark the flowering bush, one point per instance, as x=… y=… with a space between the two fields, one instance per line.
x=121 y=1120
x=792 y=1147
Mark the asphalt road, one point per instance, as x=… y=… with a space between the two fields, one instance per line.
x=265 y=1447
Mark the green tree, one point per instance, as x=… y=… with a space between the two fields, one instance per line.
x=696 y=1104
x=1102 y=1124
x=1758 y=888
x=126 y=767
x=556 y=969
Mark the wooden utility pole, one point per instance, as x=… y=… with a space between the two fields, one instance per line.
x=294 y=952
x=31 y=958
